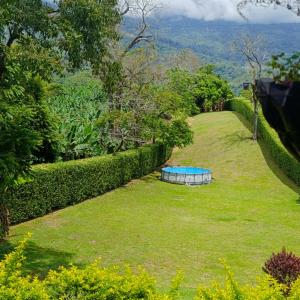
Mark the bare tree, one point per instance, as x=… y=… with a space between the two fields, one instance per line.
x=140 y=9
x=292 y=5
x=254 y=51
x=130 y=74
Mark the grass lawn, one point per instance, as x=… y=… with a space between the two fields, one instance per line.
x=248 y=212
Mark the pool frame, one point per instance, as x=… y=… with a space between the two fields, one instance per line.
x=185 y=178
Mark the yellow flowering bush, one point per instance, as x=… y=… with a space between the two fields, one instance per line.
x=266 y=288
x=15 y=286
x=73 y=283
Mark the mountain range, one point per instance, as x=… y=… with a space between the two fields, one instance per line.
x=212 y=40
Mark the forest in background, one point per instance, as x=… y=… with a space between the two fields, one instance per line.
x=212 y=41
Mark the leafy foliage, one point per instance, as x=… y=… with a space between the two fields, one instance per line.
x=58 y=185
x=86 y=39
x=22 y=89
x=16 y=144
x=77 y=103
x=97 y=282
x=142 y=108
x=182 y=82
x=36 y=42
x=266 y=288
x=284 y=267
x=13 y=284
x=286 y=68
x=91 y=282
x=204 y=90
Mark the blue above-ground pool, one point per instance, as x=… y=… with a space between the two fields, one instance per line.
x=186 y=175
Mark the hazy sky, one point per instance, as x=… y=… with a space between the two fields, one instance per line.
x=223 y=10
x=226 y=10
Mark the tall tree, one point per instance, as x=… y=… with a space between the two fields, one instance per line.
x=254 y=52
x=37 y=40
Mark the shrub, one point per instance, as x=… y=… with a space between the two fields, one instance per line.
x=286 y=162
x=90 y=282
x=266 y=288
x=284 y=267
x=94 y=282
x=15 y=286
x=55 y=186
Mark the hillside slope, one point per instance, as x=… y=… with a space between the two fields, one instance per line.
x=212 y=41
x=243 y=216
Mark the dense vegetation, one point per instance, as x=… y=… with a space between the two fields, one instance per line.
x=77 y=101
x=58 y=185
x=36 y=42
x=126 y=98
x=85 y=121
x=204 y=90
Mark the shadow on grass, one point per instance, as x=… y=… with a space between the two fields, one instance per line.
x=236 y=138
x=270 y=161
x=151 y=177
x=38 y=260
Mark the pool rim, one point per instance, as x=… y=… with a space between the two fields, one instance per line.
x=203 y=171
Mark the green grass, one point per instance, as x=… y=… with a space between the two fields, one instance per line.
x=248 y=212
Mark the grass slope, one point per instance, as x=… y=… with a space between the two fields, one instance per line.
x=247 y=213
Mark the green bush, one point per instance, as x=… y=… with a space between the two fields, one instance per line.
x=58 y=185
x=90 y=282
x=266 y=288
x=286 y=162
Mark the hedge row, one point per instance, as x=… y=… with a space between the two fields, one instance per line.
x=287 y=163
x=55 y=186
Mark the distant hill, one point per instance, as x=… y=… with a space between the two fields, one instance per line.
x=212 y=40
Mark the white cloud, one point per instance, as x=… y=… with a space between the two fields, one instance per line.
x=225 y=10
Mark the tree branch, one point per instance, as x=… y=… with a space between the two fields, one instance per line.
x=292 y=5
x=125 y=10
x=141 y=8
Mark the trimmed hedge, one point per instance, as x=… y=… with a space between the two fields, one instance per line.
x=58 y=185
x=287 y=163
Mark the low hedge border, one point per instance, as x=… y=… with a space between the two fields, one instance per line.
x=58 y=185
x=287 y=163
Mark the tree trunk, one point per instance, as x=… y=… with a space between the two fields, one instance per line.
x=255 y=121
x=4 y=219
x=2 y=63
x=255 y=135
